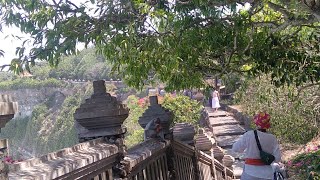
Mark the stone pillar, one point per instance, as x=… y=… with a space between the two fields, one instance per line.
x=228 y=161
x=154 y=111
x=102 y=116
x=184 y=132
x=7 y=110
x=218 y=153
x=204 y=142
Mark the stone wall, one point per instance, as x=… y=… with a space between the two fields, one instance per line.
x=238 y=115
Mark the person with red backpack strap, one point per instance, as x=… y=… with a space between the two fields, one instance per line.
x=261 y=149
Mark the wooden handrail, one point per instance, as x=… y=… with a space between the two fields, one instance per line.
x=82 y=161
x=151 y=160
x=139 y=158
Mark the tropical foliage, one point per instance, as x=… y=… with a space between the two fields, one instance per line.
x=294 y=111
x=307 y=164
x=134 y=130
x=86 y=65
x=184 y=109
x=177 y=42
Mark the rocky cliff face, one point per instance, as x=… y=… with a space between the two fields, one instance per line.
x=28 y=98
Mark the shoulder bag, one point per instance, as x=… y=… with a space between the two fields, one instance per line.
x=264 y=156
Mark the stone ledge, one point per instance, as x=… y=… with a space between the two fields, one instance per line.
x=62 y=162
x=142 y=152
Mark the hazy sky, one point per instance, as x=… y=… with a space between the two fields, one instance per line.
x=8 y=43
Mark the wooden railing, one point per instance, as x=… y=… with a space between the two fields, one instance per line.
x=89 y=160
x=150 y=160
x=173 y=160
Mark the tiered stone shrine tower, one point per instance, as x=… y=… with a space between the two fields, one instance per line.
x=101 y=115
x=155 y=110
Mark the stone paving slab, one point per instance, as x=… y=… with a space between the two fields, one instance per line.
x=226 y=130
x=217 y=114
x=227 y=141
x=218 y=121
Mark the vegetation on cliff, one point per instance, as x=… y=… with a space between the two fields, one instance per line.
x=135 y=131
x=50 y=127
x=86 y=65
x=28 y=83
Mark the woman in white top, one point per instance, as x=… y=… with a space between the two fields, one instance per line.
x=215 y=100
x=254 y=168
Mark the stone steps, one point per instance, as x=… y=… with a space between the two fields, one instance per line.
x=218 y=121
x=227 y=130
x=226 y=142
x=217 y=114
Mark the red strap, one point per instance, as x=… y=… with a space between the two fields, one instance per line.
x=255 y=162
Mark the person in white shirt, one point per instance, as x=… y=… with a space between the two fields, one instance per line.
x=254 y=168
x=215 y=100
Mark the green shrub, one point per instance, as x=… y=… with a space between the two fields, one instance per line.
x=184 y=109
x=134 y=138
x=293 y=118
x=135 y=132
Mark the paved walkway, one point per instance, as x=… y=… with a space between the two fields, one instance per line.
x=226 y=130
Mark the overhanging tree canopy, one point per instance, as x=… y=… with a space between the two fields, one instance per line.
x=177 y=42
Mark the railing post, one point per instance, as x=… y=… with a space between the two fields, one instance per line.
x=102 y=116
x=170 y=163
x=7 y=110
x=156 y=111
x=228 y=162
x=195 y=161
x=213 y=165
x=205 y=143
